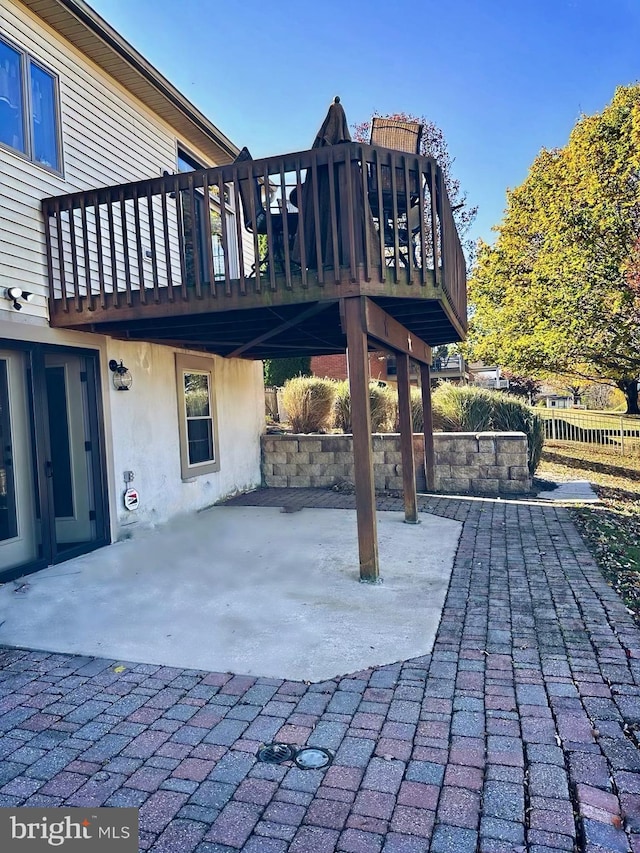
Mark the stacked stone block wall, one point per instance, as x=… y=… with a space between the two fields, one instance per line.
x=487 y=463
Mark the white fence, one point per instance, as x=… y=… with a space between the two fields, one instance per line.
x=617 y=433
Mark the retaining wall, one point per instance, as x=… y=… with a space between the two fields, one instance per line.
x=485 y=463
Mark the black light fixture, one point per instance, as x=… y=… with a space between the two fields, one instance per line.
x=14 y=294
x=122 y=379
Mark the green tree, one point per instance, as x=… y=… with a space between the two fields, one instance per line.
x=278 y=370
x=559 y=291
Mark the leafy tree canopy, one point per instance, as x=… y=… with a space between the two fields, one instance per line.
x=278 y=370
x=559 y=291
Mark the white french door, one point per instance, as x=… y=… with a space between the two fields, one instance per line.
x=19 y=528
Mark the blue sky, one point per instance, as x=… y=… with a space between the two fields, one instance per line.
x=502 y=78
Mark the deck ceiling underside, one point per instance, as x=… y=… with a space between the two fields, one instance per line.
x=321 y=333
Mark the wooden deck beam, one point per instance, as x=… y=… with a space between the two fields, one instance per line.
x=392 y=334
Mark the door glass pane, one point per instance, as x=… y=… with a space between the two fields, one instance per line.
x=71 y=448
x=11 y=100
x=8 y=518
x=20 y=529
x=59 y=437
x=44 y=118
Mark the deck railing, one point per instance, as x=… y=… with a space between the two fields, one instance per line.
x=347 y=213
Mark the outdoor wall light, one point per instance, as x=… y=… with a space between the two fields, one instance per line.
x=122 y=379
x=14 y=294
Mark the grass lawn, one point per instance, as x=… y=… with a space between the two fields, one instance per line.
x=612 y=527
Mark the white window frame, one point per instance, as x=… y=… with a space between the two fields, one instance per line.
x=195 y=364
x=26 y=60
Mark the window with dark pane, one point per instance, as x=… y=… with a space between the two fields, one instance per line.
x=11 y=98
x=29 y=114
x=197 y=401
x=44 y=118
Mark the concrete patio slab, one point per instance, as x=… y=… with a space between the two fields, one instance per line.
x=249 y=590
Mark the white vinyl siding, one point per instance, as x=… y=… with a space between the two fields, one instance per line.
x=108 y=138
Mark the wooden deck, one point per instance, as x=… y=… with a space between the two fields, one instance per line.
x=172 y=260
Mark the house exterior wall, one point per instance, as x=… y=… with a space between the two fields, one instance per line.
x=109 y=137
x=146 y=441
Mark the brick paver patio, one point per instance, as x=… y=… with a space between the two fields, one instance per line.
x=518 y=733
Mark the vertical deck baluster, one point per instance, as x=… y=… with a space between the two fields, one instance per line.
x=85 y=246
x=181 y=238
x=195 y=239
x=46 y=213
x=394 y=213
x=333 y=216
x=139 y=252
x=153 y=246
x=350 y=214
x=100 y=253
x=125 y=248
x=444 y=233
x=316 y=217
x=206 y=230
x=433 y=189
x=423 y=182
x=301 y=227
x=63 y=278
x=366 y=213
x=407 y=190
x=224 y=235
x=74 y=259
x=285 y=230
x=167 y=241
x=254 y=187
x=381 y=217
x=237 y=204
x=270 y=241
x=114 y=258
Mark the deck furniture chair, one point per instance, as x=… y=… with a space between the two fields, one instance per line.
x=255 y=218
x=405 y=136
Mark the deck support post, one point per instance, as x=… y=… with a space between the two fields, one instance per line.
x=406 y=440
x=429 y=455
x=358 y=362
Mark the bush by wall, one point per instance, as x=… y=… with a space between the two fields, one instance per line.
x=381 y=403
x=309 y=403
x=458 y=408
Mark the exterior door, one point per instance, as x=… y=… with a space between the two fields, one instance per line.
x=70 y=447
x=18 y=522
x=53 y=501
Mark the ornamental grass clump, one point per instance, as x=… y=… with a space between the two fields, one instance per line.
x=380 y=403
x=460 y=408
x=417 y=412
x=468 y=409
x=309 y=403
x=512 y=415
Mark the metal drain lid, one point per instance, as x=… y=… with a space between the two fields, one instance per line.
x=276 y=753
x=313 y=758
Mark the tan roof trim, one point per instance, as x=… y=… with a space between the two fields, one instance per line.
x=92 y=35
